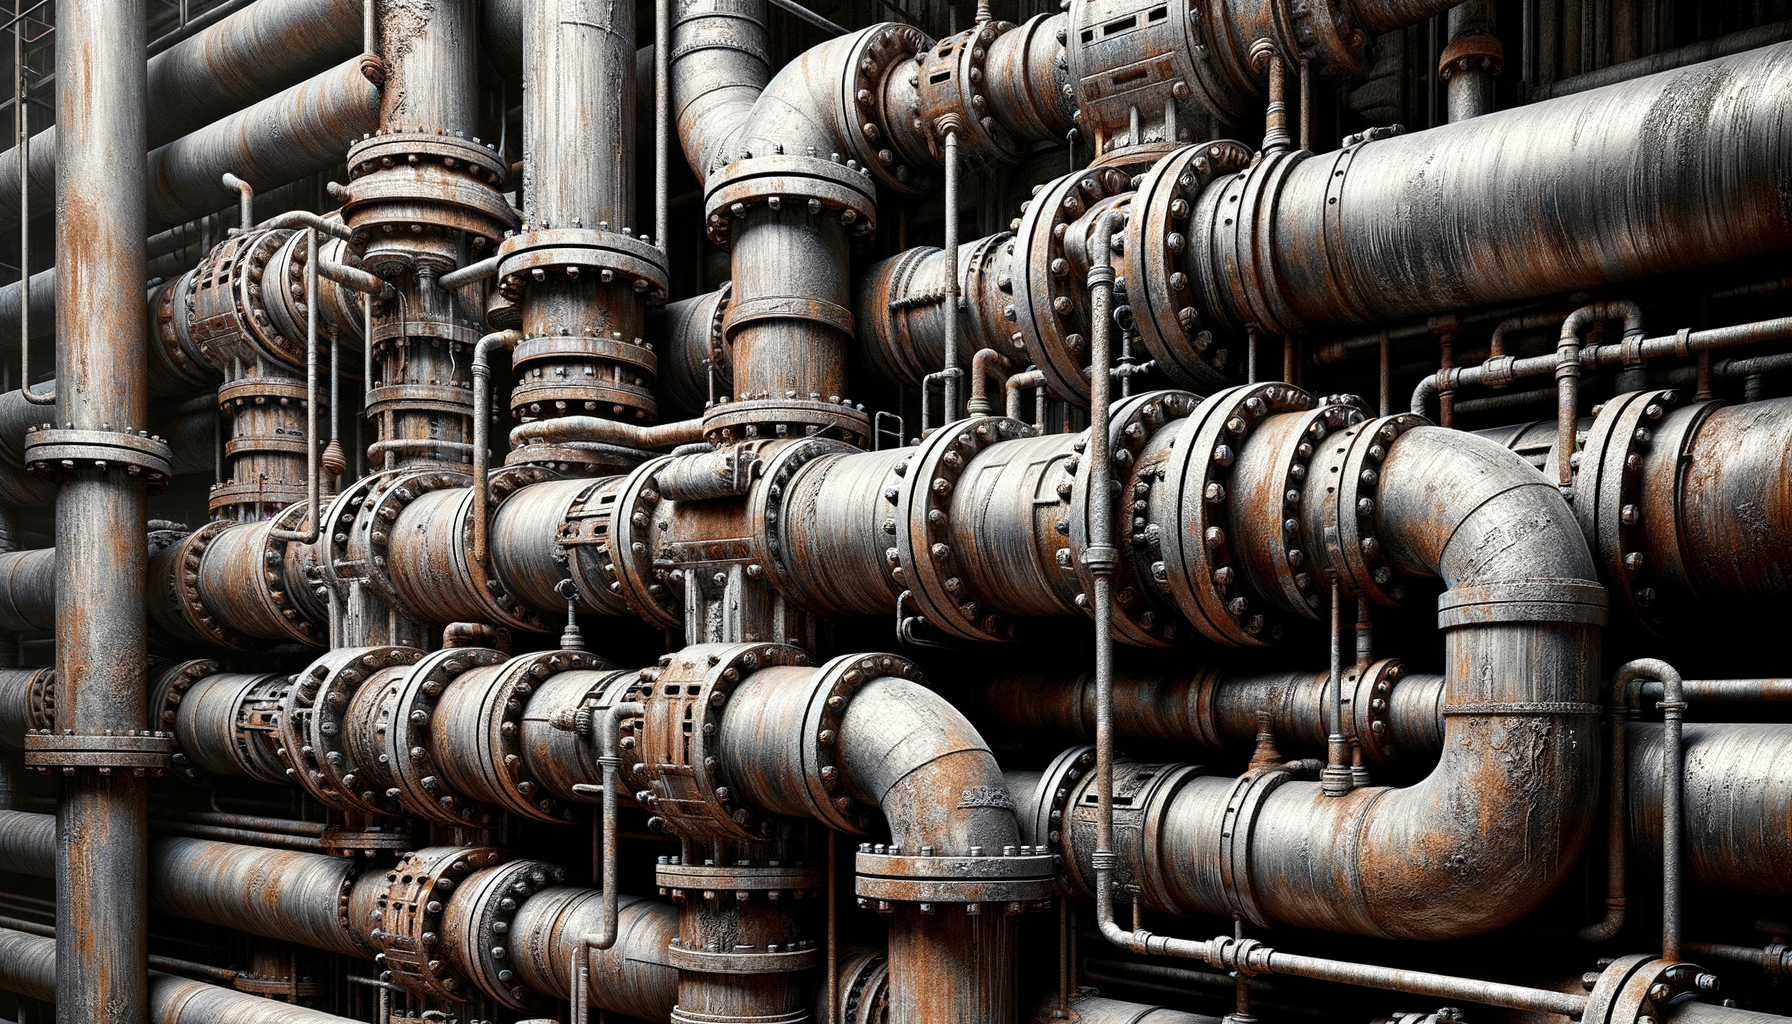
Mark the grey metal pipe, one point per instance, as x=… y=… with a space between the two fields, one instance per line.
x=721 y=61
x=299 y=131
x=30 y=966
x=101 y=646
x=1542 y=219
x=1667 y=60
x=247 y=57
x=1736 y=798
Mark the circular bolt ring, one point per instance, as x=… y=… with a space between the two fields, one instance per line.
x=1370 y=701
x=1156 y=258
x=385 y=505
x=924 y=544
x=408 y=712
x=877 y=50
x=483 y=911
x=1299 y=591
x=1216 y=602
x=409 y=933
x=500 y=760
x=766 y=503
x=340 y=519
x=1039 y=241
x=1052 y=814
x=634 y=576
x=1617 y=448
x=836 y=683
x=965 y=56
x=291 y=518
x=1368 y=573
x=166 y=692
x=186 y=589
x=690 y=794
x=1148 y=622
x=312 y=715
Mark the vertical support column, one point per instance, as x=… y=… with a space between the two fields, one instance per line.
x=101 y=367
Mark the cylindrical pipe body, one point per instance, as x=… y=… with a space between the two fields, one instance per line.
x=1537 y=200
x=101 y=652
x=634 y=977
x=1736 y=798
x=281 y=894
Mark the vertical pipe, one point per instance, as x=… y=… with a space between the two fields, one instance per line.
x=662 y=121
x=101 y=190
x=951 y=371
x=1336 y=779
x=22 y=121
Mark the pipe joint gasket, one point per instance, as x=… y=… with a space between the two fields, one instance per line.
x=678 y=739
x=951 y=90
x=1370 y=704
x=1238 y=825
x=1051 y=305
x=1628 y=482
x=49 y=452
x=790 y=184
x=1143 y=614
x=1167 y=318
x=507 y=774
x=185 y=613
x=1198 y=546
x=577 y=251
x=590 y=536
x=739 y=884
x=1526 y=601
x=862 y=118
x=409 y=918
x=1300 y=464
x=923 y=499
x=1023 y=879
x=1638 y=986
x=638 y=567
x=767 y=504
x=443 y=184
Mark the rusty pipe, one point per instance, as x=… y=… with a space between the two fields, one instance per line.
x=314 y=509
x=988 y=366
x=1334 y=251
x=29 y=966
x=482 y=420
x=1015 y=385
x=305 y=219
x=603 y=937
x=592 y=430
x=245 y=200
x=1735 y=796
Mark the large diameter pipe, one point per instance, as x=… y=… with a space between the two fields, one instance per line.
x=247 y=57
x=101 y=646
x=1542 y=199
x=29 y=966
x=721 y=61
x=906 y=750
x=634 y=976
x=1736 y=798
x=281 y=894
x=300 y=131
x=579 y=113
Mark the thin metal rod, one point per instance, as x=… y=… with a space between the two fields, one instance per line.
x=605 y=936
x=832 y=981
x=662 y=124
x=1673 y=713
x=245 y=202
x=22 y=123
x=950 y=369
x=792 y=7
x=482 y=429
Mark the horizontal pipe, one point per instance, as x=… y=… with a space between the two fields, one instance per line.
x=28 y=967
x=1665 y=60
x=1537 y=200
x=247 y=57
x=299 y=131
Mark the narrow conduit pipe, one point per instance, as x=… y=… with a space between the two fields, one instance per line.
x=482 y=429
